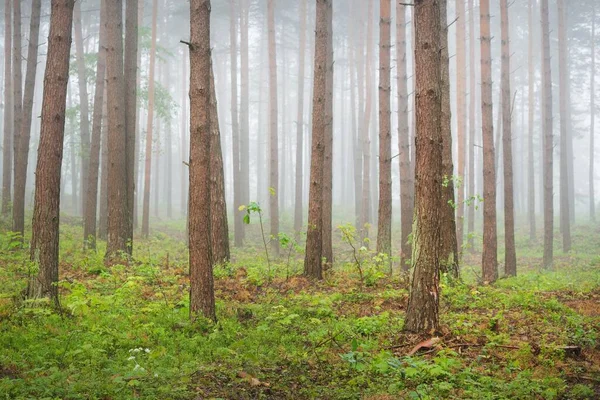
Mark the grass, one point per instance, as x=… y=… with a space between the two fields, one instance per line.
x=123 y=332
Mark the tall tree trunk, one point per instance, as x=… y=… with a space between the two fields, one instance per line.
x=185 y=153
x=472 y=118
x=103 y=198
x=17 y=82
x=89 y=223
x=547 y=129
x=565 y=128
x=202 y=298
x=138 y=150
x=118 y=241
x=131 y=108
x=406 y=201
x=238 y=227
x=244 y=107
x=149 y=126
x=327 y=251
x=218 y=212
x=84 y=123
x=22 y=152
x=46 y=210
x=422 y=314
x=384 y=215
x=531 y=110
x=461 y=118
x=358 y=58
x=510 y=258
x=490 y=239
x=298 y=204
x=7 y=143
x=592 y=116
x=273 y=130
x=314 y=236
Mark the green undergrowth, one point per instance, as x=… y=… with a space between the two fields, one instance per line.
x=123 y=332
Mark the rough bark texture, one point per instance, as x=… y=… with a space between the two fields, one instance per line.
x=185 y=153
x=592 y=117
x=118 y=241
x=449 y=246
x=218 y=212
x=565 y=128
x=91 y=208
x=472 y=118
x=298 y=201
x=461 y=119
x=84 y=122
x=314 y=236
x=131 y=72
x=490 y=239
x=423 y=305
x=149 y=127
x=384 y=215
x=238 y=226
x=510 y=258
x=548 y=142
x=531 y=110
x=406 y=179
x=22 y=152
x=46 y=210
x=17 y=82
x=273 y=130
x=202 y=298
x=7 y=143
x=103 y=198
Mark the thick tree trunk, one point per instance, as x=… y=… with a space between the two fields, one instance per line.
x=202 y=298
x=422 y=314
x=327 y=251
x=185 y=153
x=149 y=126
x=510 y=258
x=89 y=222
x=103 y=198
x=592 y=116
x=46 y=210
x=118 y=240
x=565 y=128
x=298 y=203
x=384 y=214
x=7 y=143
x=472 y=119
x=406 y=181
x=238 y=227
x=84 y=123
x=273 y=130
x=314 y=236
x=461 y=118
x=448 y=241
x=22 y=152
x=531 y=111
x=548 y=143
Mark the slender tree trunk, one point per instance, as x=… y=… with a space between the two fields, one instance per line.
x=565 y=208
x=46 y=211
x=138 y=150
x=131 y=108
x=103 y=212
x=7 y=143
x=359 y=56
x=118 y=240
x=461 y=118
x=422 y=314
x=510 y=258
x=531 y=110
x=384 y=215
x=547 y=128
x=327 y=251
x=490 y=239
x=202 y=298
x=592 y=116
x=22 y=152
x=238 y=227
x=149 y=126
x=472 y=118
x=84 y=123
x=314 y=236
x=298 y=204
x=17 y=82
x=244 y=107
x=185 y=153
x=273 y=130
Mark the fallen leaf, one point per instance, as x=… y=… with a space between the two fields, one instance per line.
x=427 y=344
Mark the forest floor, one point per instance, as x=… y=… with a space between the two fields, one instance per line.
x=123 y=332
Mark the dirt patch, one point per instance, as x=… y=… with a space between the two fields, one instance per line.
x=589 y=308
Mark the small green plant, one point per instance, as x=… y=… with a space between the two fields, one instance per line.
x=254 y=208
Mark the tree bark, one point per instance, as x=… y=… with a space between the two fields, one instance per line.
x=149 y=126
x=7 y=143
x=244 y=108
x=202 y=298
x=461 y=119
x=46 y=210
x=22 y=152
x=298 y=201
x=490 y=239
x=472 y=119
x=592 y=116
x=103 y=198
x=422 y=314
x=531 y=110
x=238 y=227
x=384 y=214
x=17 y=82
x=548 y=143
x=510 y=258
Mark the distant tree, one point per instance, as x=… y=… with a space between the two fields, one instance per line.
x=472 y=118
x=202 y=298
x=327 y=251
x=22 y=151
x=490 y=239
x=384 y=217
x=7 y=143
x=244 y=105
x=510 y=258
x=531 y=111
x=592 y=114
x=46 y=209
x=422 y=314
x=17 y=80
x=461 y=118
x=298 y=203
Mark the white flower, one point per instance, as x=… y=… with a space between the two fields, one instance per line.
x=147 y=350
x=131 y=358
